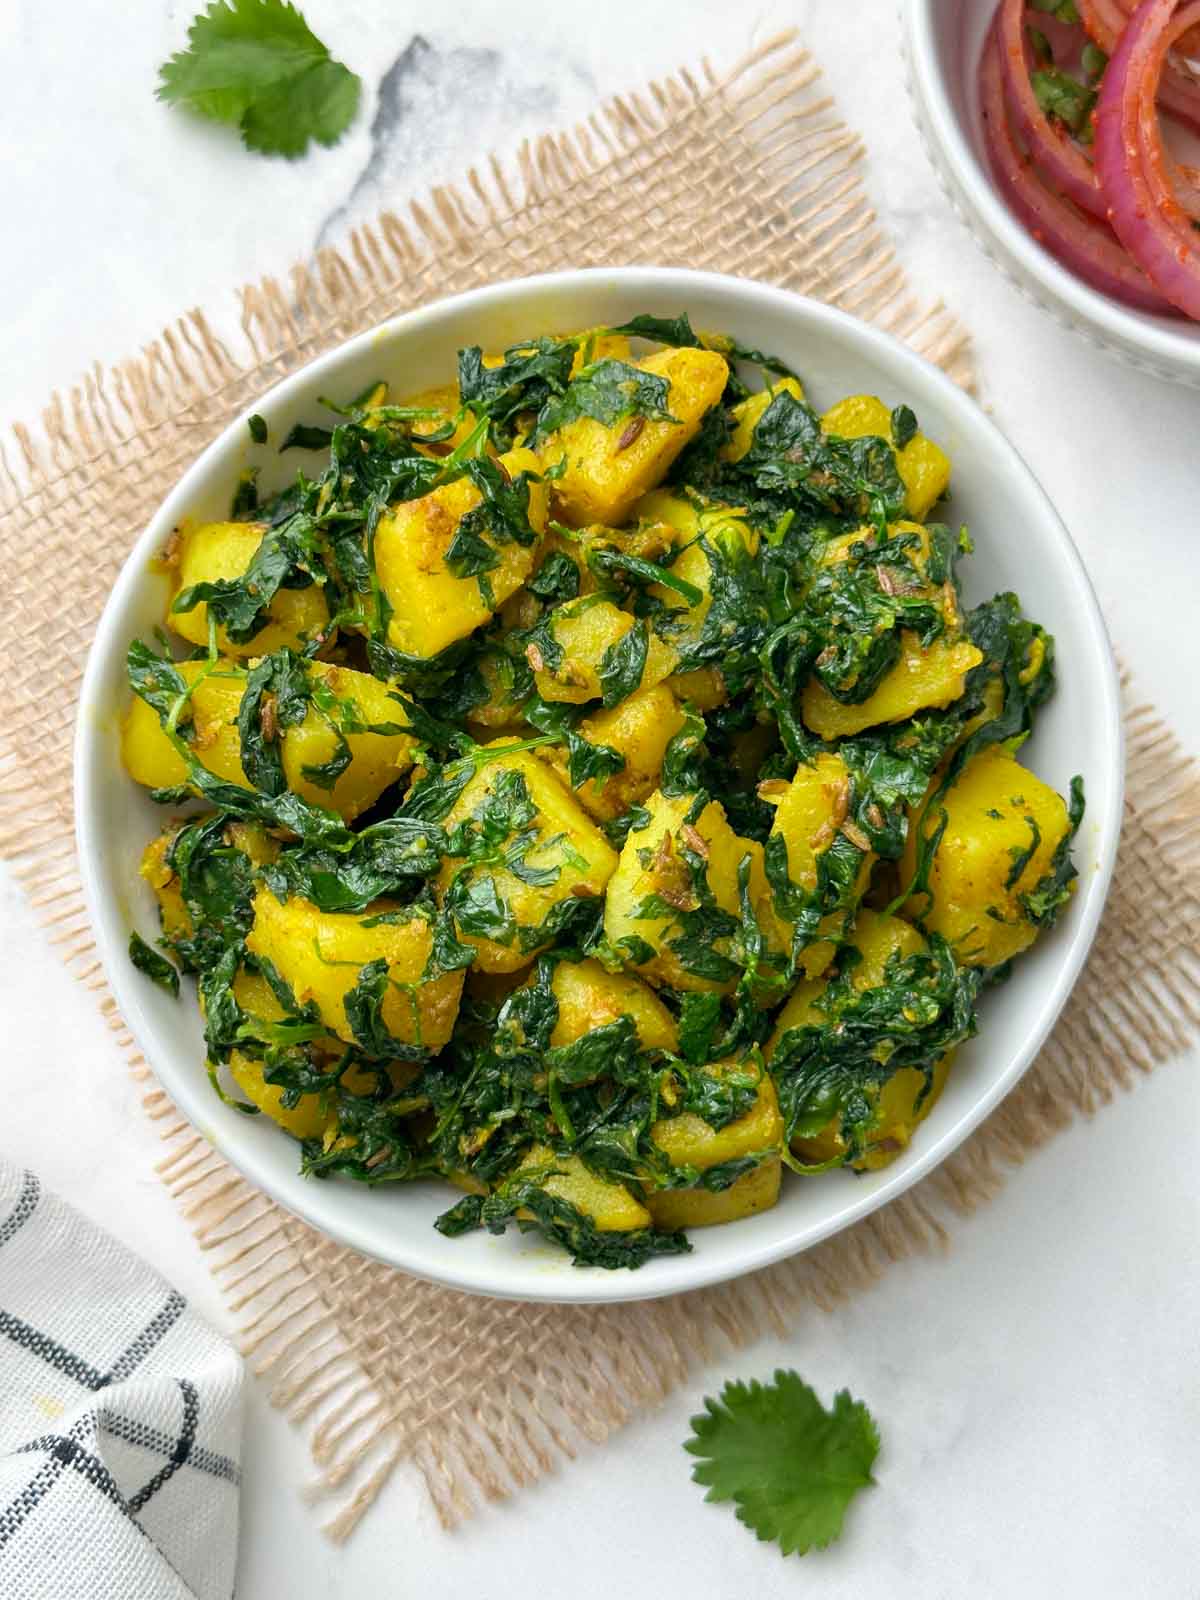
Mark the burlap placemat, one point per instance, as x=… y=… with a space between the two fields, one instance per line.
x=749 y=173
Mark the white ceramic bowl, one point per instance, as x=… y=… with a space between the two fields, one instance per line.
x=1021 y=545
x=943 y=40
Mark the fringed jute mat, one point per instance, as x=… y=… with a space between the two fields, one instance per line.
x=750 y=173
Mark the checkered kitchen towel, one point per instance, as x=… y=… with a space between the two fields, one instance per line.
x=120 y=1419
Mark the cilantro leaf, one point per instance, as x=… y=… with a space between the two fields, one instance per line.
x=790 y=1466
x=256 y=64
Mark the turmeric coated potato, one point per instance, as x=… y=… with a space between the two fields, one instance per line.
x=376 y=759
x=639 y=729
x=1003 y=827
x=608 y=466
x=419 y=544
x=549 y=852
x=321 y=955
x=589 y=996
x=572 y=666
x=220 y=550
x=901 y=1102
x=654 y=890
x=923 y=678
x=923 y=466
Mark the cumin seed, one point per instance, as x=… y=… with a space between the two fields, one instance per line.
x=852 y=831
x=632 y=431
x=694 y=841
x=535 y=658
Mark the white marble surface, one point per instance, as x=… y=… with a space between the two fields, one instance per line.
x=1037 y=1387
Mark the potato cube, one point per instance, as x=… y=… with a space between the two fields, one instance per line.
x=640 y=729
x=150 y=757
x=688 y=1141
x=924 y=468
x=695 y=524
x=582 y=633
x=307 y=1119
x=500 y=903
x=610 y=1205
x=1003 y=828
x=898 y=1106
x=221 y=550
x=755 y=1191
x=608 y=467
x=376 y=759
x=174 y=915
x=431 y=606
x=320 y=954
x=923 y=678
x=589 y=997
x=808 y=817
x=652 y=891
x=747 y=413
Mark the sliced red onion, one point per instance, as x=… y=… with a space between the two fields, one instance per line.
x=1178 y=93
x=1088 y=248
x=1053 y=149
x=1144 y=213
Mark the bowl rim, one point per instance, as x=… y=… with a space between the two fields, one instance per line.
x=192 y=1093
x=1155 y=340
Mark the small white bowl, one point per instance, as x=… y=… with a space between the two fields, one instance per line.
x=943 y=41
x=1020 y=544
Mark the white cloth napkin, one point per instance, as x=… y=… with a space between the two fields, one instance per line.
x=120 y=1418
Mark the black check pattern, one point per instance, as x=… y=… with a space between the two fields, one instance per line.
x=76 y=1452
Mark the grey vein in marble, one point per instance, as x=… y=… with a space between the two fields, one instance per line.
x=439 y=109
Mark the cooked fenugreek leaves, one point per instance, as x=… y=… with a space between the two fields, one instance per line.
x=599 y=794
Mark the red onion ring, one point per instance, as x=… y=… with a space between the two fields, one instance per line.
x=1054 y=151
x=1179 y=93
x=1086 y=247
x=1144 y=213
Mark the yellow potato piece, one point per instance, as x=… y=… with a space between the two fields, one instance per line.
x=431 y=607
x=975 y=907
x=755 y=1191
x=808 y=817
x=445 y=401
x=923 y=466
x=640 y=728
x=586 y=630
x=651 y=864
x=610 y=1205
x=691 y=520
x=320 y=954
x=747 y=414
x=148 y=754
x=607 y=468
x=376 y=759
x=688 y=1141
x=307 y=1119
x=567 y=840
x=923 y=678
x=174 y=915
x=598 y=344
x=702 y=687
x=219 y=550
x=589 y=997
x=897 y=1113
